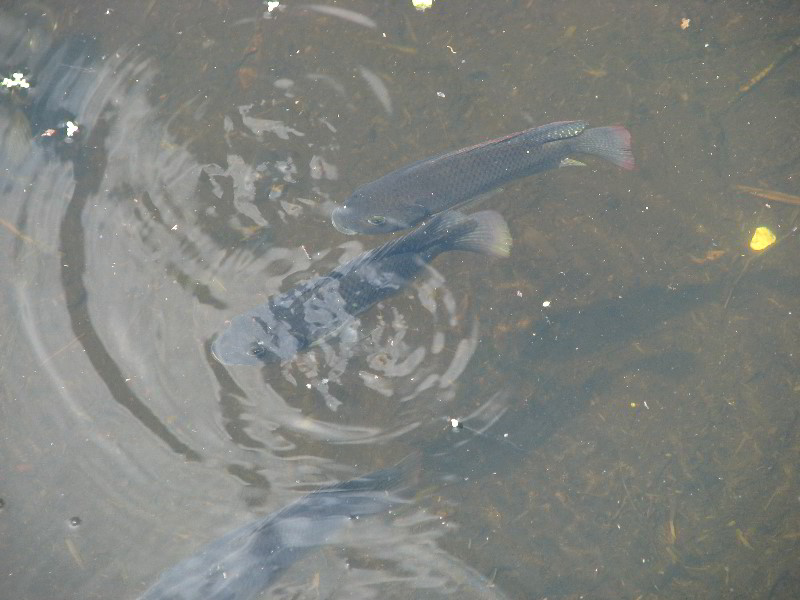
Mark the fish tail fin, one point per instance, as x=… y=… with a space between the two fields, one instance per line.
x=405 y=475
x=612 y=143
x=486 y=233
x=381 y=490
x=396 y=477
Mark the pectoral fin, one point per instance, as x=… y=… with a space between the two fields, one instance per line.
x=570 y=162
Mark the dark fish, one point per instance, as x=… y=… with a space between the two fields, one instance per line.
x=403 y=198
x=244 y=562
x=290 y=322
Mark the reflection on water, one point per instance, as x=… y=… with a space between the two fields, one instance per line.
x=623 y=435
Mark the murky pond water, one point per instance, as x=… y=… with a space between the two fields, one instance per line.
x=626 y=381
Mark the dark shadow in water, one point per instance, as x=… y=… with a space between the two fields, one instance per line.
x=607 y=324
x=89 y=166
x=564 y=376
x=230 y=396
x=64 y=75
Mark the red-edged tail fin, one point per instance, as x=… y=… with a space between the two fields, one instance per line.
x=612 y=143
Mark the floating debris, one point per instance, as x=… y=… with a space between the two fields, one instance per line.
x=710 y=256
x=422 y=5
x=322 y=169
x=685 y=23
x=762 y=239
x=16 y=80
x=260 y=126
x=742 y=539
x=73 y=550
x=16 y=231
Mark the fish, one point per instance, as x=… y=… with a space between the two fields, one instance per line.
x=244 y=562
x=401 y=199
x=292 y=321
x=378 y=88
x=342 y=13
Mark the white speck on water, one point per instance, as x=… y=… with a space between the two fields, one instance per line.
x=17 y=80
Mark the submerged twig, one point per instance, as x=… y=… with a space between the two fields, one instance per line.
x=759 y=77
x=770 y=195
x=17 y=232
x=25 y=238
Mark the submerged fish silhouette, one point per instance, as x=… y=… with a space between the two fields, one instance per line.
x=291 y=322
x=244 y=562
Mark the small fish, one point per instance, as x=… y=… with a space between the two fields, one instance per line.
x=403 y=198
x=378 y=88
x=290 y=322
x=342 y=13
x=244 y=562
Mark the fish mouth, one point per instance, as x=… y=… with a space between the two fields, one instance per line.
x=230 y=356
x=336 y=220
x=217 y=352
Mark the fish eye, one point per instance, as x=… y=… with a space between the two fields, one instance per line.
x=376 y=220
x=258 y=350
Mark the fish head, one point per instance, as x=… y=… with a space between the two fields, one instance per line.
x=355 y=218
x=253 y=340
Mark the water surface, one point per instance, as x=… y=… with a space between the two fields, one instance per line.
x=631 y=368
